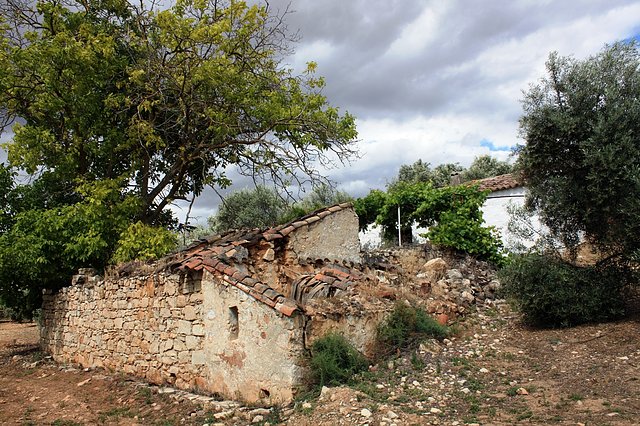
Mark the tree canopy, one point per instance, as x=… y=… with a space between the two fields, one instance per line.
x=118 y=109
x=163 y=100
x=482 y=167
x=262 y=207
x=485 y=166
x=453 y=215
x=581 y=159
x=259 y=207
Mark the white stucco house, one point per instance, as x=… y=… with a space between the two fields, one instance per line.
x=504 y=190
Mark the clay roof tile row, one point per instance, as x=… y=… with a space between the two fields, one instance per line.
x=217 y=254
x=498 y=183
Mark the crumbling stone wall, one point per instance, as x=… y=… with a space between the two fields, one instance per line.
x=173 y=329
x=150 y=326
x=334 y=238
x=252 y=352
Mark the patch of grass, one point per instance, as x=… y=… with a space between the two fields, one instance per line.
x=417 y=362
x=334 y=361
x=369 y=389
x=115 y=413
x=508 y=356
x=474 y=384
x=525 y=415
x=459 y=361
x=147 y=394
x=576 y=397
x=512 y=391
x=60 y=422
x=405 y=326
x=274 y=417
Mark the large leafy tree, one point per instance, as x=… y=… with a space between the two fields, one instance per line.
x=420 y=171
x=485 y=166
x=118 y=109
x=259 y=207
x=163 y=100
x=581 y=159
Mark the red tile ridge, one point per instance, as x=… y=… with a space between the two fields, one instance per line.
x=286 y=231
x=287 y=307
x=299 y=224
x=271 y=237
x=312 y=219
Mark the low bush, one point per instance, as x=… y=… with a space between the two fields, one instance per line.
x=334 y=361
x=552 y=293
x=405 y=326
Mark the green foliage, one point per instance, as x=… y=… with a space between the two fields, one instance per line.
x=44 y=247
x=263 y=207
x=144 y=242
x=453 y=215
x=405 y=326
x=419 y=171
x=368 y=207
x=119 y=109
x=581 y=160
x=169 y=98
x=334 y=361
x=260 y=207
x=485 y=166
x=321 y=196
x=552 y=293
x=482 y=166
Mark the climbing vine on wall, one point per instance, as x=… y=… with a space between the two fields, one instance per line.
x=452 y=215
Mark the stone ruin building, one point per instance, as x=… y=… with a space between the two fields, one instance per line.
x=231 y=315
x=235 y=314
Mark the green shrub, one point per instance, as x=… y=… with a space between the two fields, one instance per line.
x=144 y=242
x=552 y=293
x=334 y=361
x=405 y=326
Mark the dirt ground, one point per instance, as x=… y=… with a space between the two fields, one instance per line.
x=493 y=372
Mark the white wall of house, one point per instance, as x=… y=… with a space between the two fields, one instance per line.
x=494 y=210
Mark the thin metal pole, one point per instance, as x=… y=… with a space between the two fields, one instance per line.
x=399 y=229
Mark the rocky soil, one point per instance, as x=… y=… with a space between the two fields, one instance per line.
x=494 y=371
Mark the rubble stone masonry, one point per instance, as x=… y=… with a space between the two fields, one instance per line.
x=157 y=327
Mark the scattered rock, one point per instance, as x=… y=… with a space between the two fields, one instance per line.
x=365 y=413
x=84 y=382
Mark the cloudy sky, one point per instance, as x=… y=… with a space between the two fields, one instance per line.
x=438 y=80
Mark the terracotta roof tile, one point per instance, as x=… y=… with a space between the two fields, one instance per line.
x=286 y=231
x=271 y=293
x=271 y=237
x=286 y=308
x=312 y=219
x=498 y=183
x=218 y=253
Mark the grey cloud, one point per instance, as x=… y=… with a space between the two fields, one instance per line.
x=360 y=79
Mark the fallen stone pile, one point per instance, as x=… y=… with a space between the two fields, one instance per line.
x=452 y=291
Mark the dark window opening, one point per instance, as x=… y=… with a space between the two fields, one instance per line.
x=234 y=327
x=192 y=282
